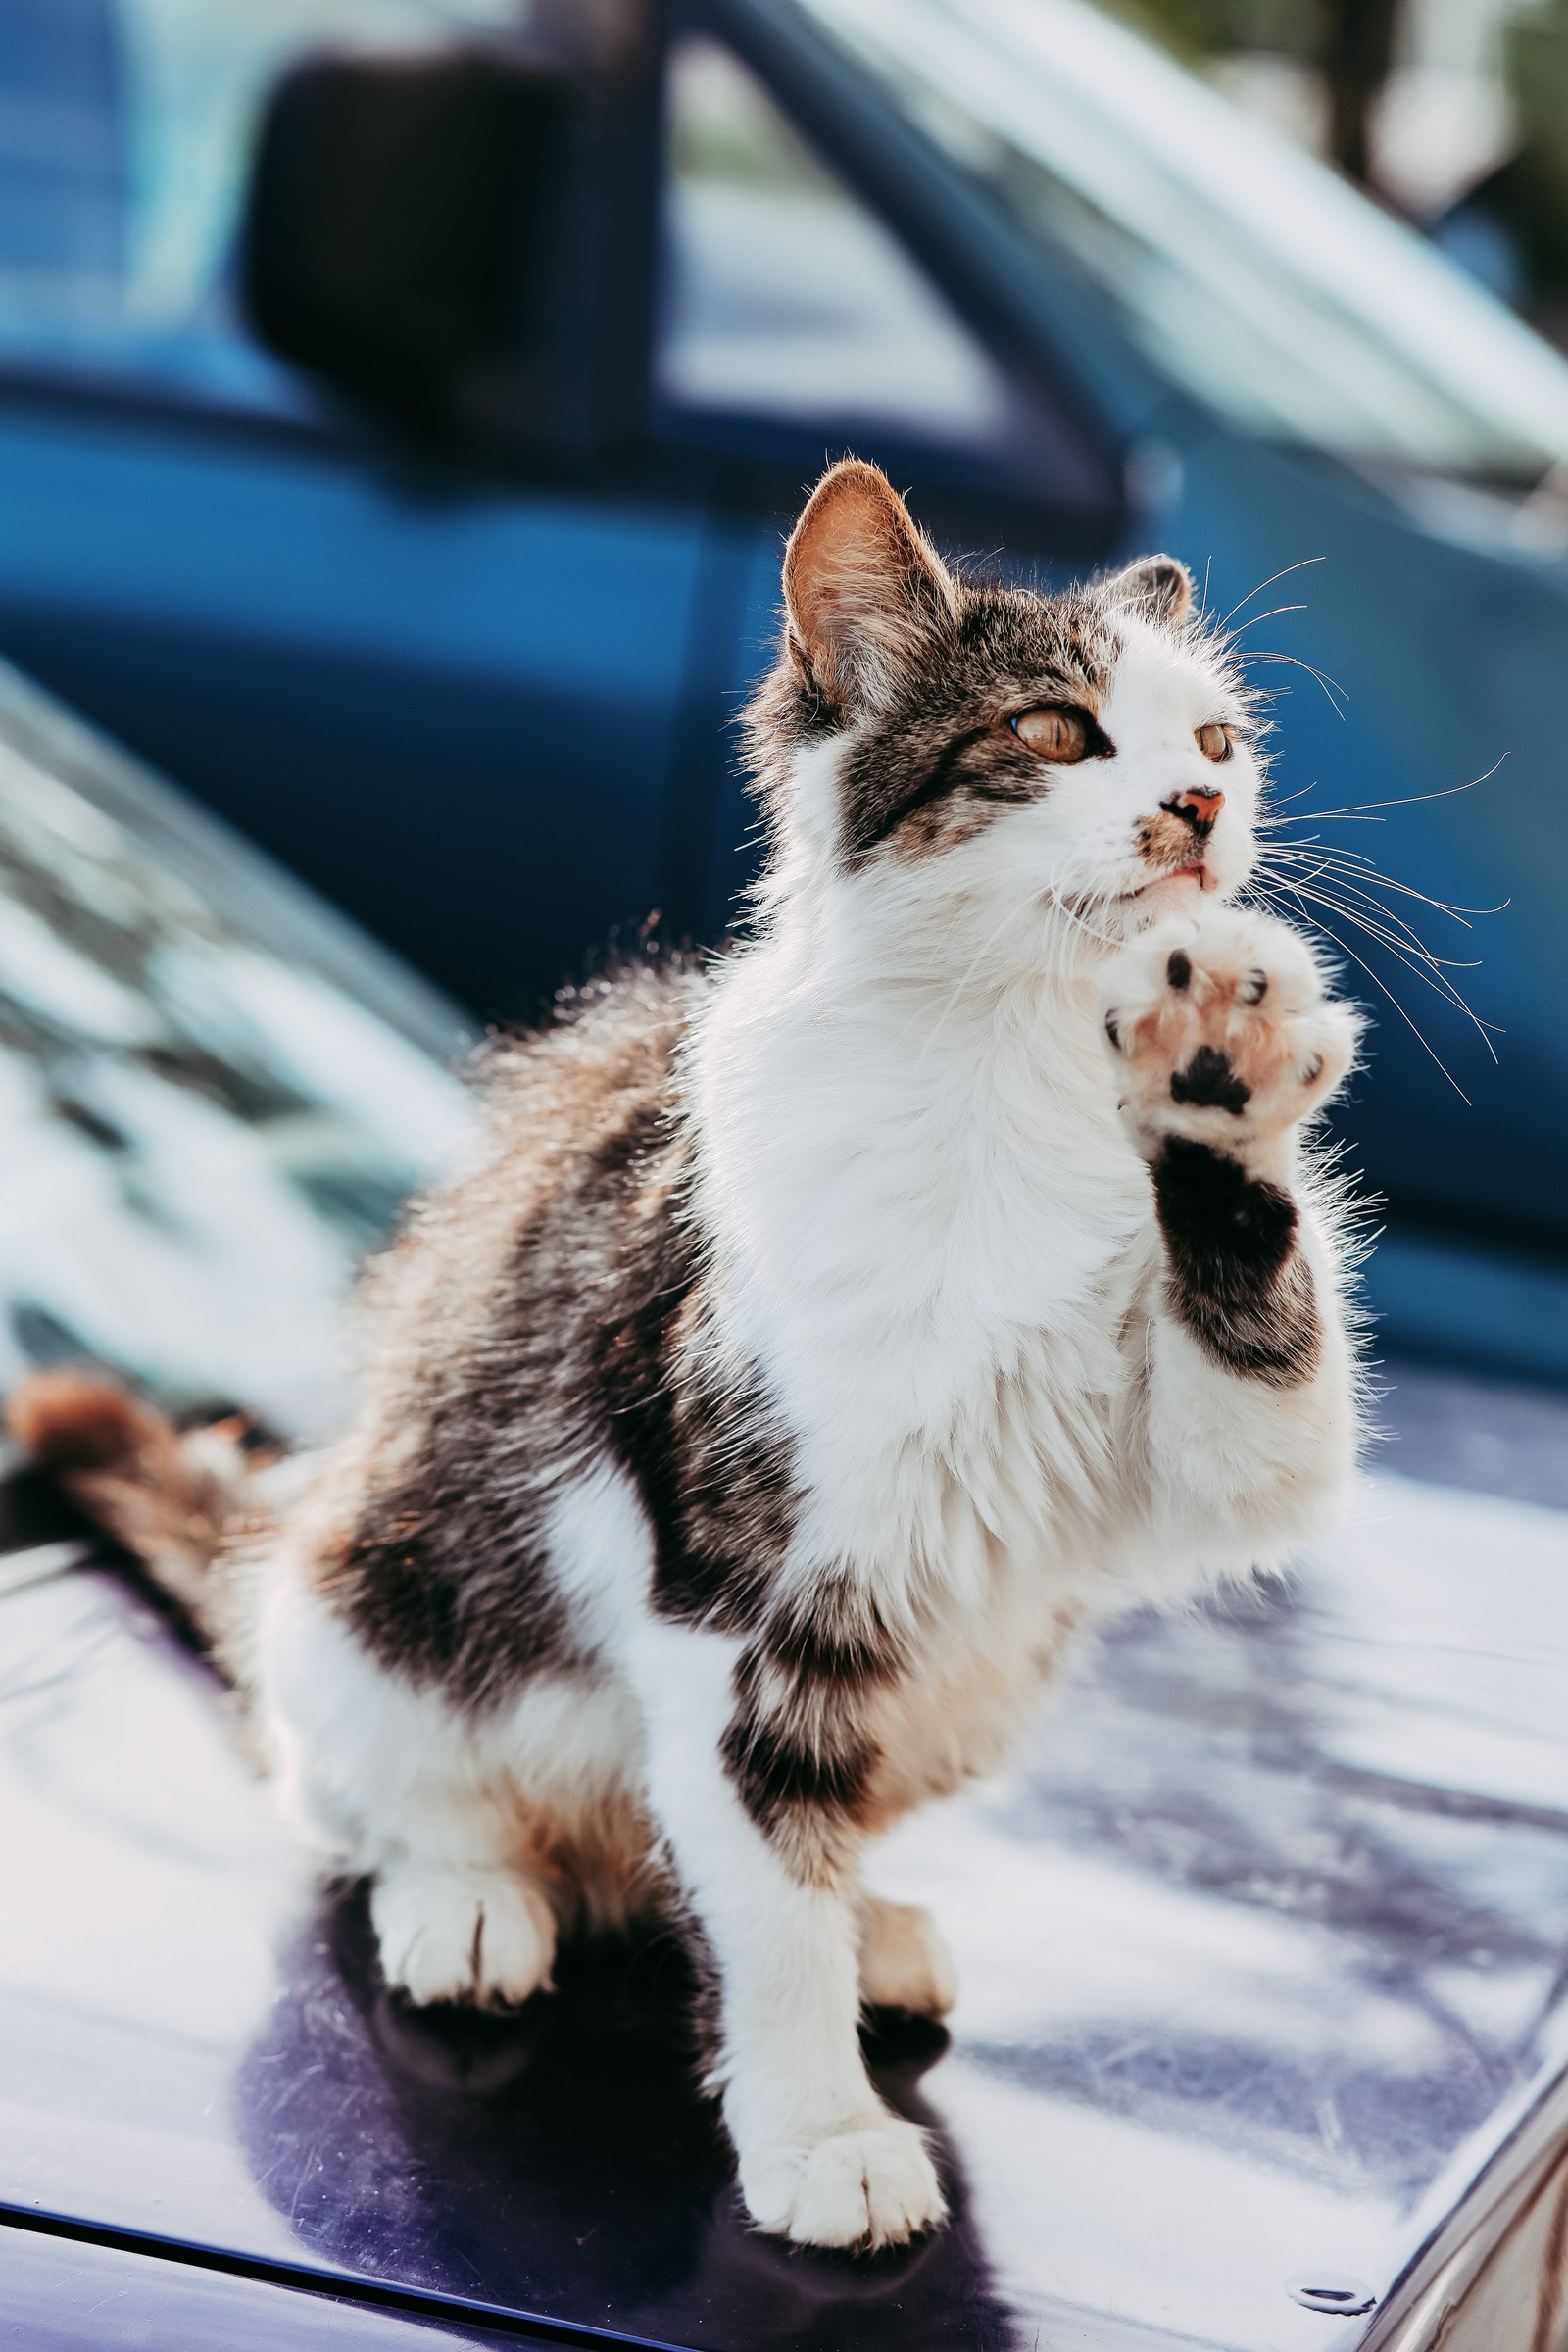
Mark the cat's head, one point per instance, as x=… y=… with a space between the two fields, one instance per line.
x=1055 y=772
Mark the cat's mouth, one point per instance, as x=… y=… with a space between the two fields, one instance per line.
x=1194 y=871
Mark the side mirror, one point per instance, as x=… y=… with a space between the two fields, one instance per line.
x=423 y=230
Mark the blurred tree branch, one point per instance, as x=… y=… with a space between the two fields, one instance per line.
x=1357 y=55
x=1350 y=43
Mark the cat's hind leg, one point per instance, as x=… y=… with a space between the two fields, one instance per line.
x=463 y=1933
x=905 y=1960
x=482 y=1835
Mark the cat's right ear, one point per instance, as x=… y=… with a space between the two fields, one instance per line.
x=865 y=589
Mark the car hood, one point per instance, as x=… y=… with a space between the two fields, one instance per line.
x=1260 y=1951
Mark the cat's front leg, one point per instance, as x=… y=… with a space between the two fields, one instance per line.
x=1224 y=1041
x=757 y=1819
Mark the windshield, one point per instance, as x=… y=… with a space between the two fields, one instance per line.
x=1249 y=273
x=215 y=1094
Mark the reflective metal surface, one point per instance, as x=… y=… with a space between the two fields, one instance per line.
x=1495 y=2273
x=59 y=2294
x=214 y=1091
x=1261 y=1951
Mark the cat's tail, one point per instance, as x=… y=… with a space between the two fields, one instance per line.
x=168 y=1497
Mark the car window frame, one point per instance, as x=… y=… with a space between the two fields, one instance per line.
x=990 y=280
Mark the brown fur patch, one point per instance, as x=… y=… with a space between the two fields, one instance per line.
x=132 y=1474
x=80 y=1421
x=543 y=1316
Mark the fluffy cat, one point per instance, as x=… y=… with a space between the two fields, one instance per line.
x=825 y=1339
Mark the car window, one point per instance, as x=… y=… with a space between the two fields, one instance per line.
x=785 y=297
x=1246 y=270
x=124 y=134
x=787 y=304
x=216 y=1096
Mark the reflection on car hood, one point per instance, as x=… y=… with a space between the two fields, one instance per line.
x=1259 y=1950
x=213 y=1093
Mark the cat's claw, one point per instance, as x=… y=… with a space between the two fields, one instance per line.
x=868 y=2187
x=1220 y=1030
x=485 y=1937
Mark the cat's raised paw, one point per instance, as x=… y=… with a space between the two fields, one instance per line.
x=870 y=2186
x=484 y=1937
x=1220 y=1030
x=905 y=1962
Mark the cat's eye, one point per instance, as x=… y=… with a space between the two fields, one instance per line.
x=1054 y=732
x=1216 y=742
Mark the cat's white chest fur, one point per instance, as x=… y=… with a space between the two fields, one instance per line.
x=928 y=1228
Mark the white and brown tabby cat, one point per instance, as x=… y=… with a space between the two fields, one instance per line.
x=826 y=1337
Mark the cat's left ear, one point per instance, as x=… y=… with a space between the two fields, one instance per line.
x=1160 y=587
x=865 y=590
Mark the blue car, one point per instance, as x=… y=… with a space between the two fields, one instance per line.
x=464 y=647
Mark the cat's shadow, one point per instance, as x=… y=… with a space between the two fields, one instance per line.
x=561 y=2160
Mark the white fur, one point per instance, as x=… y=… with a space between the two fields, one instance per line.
x=933 y=1232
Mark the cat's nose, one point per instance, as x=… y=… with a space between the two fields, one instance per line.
x=1196 y=807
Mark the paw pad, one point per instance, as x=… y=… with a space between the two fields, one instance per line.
x=1220 y=1031
x=1209 y=1083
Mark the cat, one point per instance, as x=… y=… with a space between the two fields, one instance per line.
x=823 y=1339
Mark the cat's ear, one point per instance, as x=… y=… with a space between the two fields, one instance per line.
x=1160 y=587
x=865 y=589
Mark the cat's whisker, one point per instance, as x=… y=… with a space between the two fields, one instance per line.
x=1330 y=686
x=1273 y=614
x=1076 y=915
x=1410 y=800
x=1366 y=889
x=1379 y=920
x=1421 y=965
x=1353 y=882
x=1266 y=816
x=1391 y=932
x=1316 y=923
x=1354 y=862
x=1422 y=968
x=1305 y=564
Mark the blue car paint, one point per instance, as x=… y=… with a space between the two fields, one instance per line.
x=62 y=2290
x=1448 y=663
x=455 y=712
